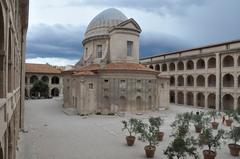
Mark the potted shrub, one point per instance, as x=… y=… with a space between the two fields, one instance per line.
x=230 y=114
x=182 y=145
x=212 y=141
x=149 y=133
x=234 y=134
x=198 y=121
x=213 y=115
x=132 y=127
x=157 y=122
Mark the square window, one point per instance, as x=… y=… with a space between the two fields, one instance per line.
x=90 y=85
x=129 y=48
x=106 y=81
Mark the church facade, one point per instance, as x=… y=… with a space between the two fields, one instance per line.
x=109 y=78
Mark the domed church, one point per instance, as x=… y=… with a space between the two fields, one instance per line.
x=108 y=78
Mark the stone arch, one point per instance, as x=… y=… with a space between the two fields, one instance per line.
x=164 y=67
x=55 y=80
x=180 y=81
x=228 y=61
x=139 y=103
x=157 y=67
x=190 y=100
x=172 y=97
x=212 y=101
x=190 y=65
x=151 y=66
x=172 y=81
x=180 y=97
x=212 y=80
x=45 y=79
x=228 y=102
x=200 y=64
x=10 y=62
x=55 y=92
x=180 y=66
x=200 y=81
x=190 y=80
x=228 y=80
x=212 y=62
x=122 y=104
x=172 y=67
x=33 y=79
x=2 y=55
x=1 y=149
x=200 y=100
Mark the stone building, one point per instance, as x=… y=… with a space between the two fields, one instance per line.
x=48 y=74
x=109 y=78
x=13 y=29
x=207 y=77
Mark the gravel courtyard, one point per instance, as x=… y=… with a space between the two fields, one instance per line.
x=50 y=134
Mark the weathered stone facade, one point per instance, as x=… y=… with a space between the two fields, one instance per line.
x=207 y=77
x=13 y=29
x=109 y=78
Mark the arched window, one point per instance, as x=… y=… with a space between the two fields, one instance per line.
x=200 y=100
x=164 y=67
x=180 y=81
x=55 y=92
x=190 y=80
x=172 y=67
x=180 y=65
x=190 y=98
x=139 y=103
x=228 y=80
x=150 y=103
x=180 y=98
x=212 y=62
x=33 y=79
x=212 y=81
x=172 y=81
x=55 y=80
x=151 y=66
x=172 y=97
x=190 y=65
x=228 y=61
x=157 y=67
x=200 y=81
x=200 y=64
x=228 y=102
x=212 y=101
x=122 y=104
x=45 y=79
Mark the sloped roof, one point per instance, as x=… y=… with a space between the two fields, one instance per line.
x=41 y=68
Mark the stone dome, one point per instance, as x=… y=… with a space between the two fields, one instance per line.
x=103 y=21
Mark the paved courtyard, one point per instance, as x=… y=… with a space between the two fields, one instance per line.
x=50 y=134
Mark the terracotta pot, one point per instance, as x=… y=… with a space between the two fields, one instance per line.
x=234 y=149
x=130 y=140
x=209 y=154
x=215 y=125
x=160 y=135
x=198 y=128
x=150 y=151
x=229 y=122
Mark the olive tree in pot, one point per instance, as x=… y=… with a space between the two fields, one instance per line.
x=214 y=114
x=133 y=126
x=212 y=141
x=234 y=134
x=198 y=121
x=183 y=145
x=157 y=122
x=231 y=114
x=149 y=133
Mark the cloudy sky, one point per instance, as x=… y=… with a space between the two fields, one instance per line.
x=56 y=27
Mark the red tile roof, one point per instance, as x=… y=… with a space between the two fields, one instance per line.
x=41 y=68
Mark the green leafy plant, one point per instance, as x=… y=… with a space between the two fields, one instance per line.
x=40 y=87
x=234 y=134
x=181 y=119
x=149 y=133
x=133 y=126
x=213 y=114
x=156 y=122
